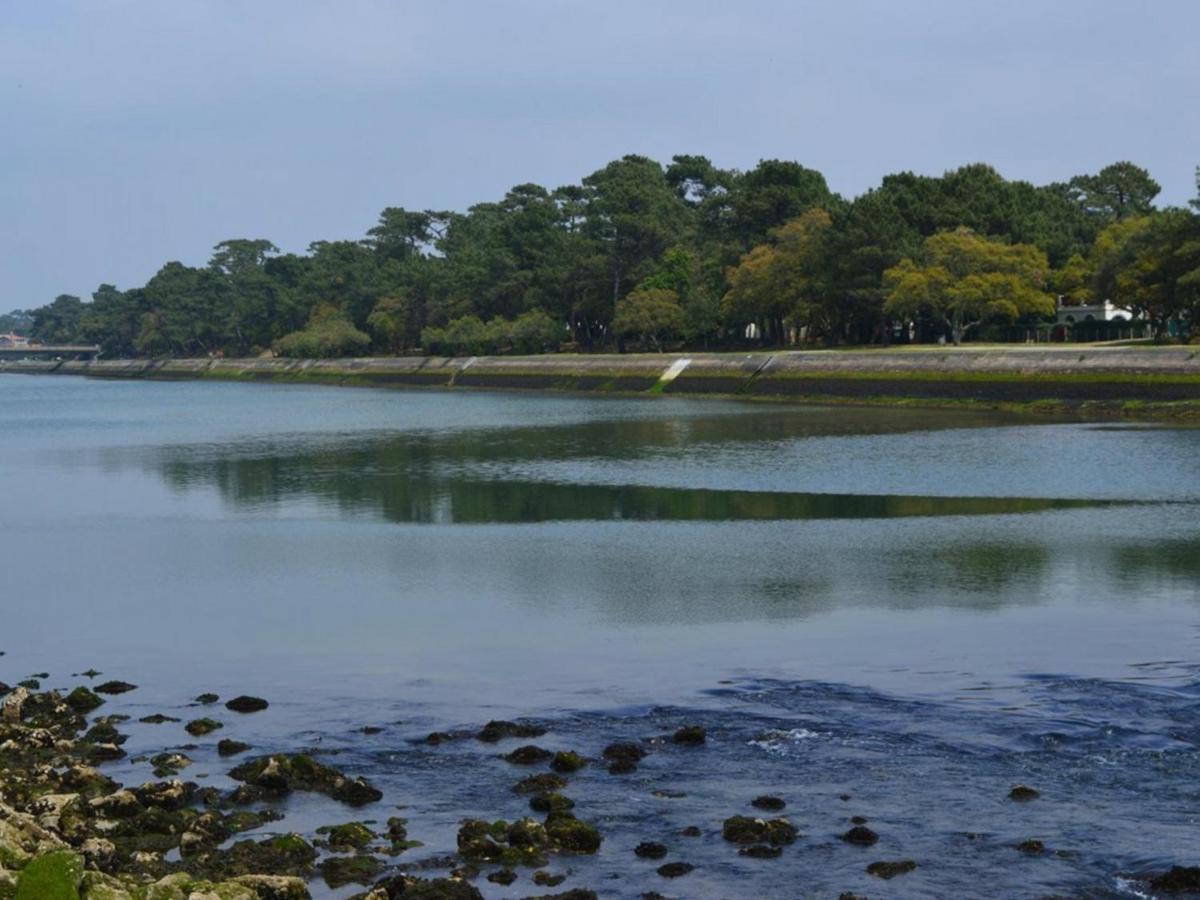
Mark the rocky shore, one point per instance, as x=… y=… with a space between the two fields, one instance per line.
x=1101 y=381
x=69 y=831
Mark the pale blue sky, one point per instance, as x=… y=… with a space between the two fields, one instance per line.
x=138 y=131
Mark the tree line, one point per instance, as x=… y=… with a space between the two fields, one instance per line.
x=643 y=255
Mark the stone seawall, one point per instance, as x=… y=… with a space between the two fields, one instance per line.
x=1018 y=375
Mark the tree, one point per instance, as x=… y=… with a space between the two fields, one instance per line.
x=965 y=279
x=19 y=321
x=785 y=280
x=58 y=323
x=392 y=323
x=651 y=314
x=329 y=334
x=1116 y=192
x=1155 y=271
x=634 y=215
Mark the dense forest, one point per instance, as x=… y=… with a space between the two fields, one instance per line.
x=639 y=255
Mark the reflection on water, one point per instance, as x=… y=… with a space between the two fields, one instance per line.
x=437 y=479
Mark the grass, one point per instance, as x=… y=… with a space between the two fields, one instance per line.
x=54 y=876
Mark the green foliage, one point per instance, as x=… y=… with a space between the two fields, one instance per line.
x=652 y=314
x=530 y=332
x=771 y=246
x=328 y=335
x=966 y=279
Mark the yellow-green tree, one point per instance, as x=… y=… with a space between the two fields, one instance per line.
x=651 y=314
x=784 y=280
x=965 y=279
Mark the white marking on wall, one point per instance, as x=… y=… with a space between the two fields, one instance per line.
x=674 y=370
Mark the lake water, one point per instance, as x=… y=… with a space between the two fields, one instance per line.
x=913 y=609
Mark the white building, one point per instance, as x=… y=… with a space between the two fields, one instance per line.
x=1092 y=312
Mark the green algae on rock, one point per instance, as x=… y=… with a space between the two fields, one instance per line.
x=281 y=774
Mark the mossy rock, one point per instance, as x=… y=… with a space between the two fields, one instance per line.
x=115 y=687
x=350 y=836
x=567 y=761
x=54 y=876
x=342 y=870
x=747 y=830
x=542 y=783
x=498 y=729
x=83 y=701
x=572 y=835
x=282 y=774
x=201 y=727
x=247 y=704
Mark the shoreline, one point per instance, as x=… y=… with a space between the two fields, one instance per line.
x=1093 y=382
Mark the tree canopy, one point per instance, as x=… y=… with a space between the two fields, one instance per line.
x=662 y=254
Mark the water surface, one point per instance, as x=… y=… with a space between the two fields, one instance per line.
x=916 y=609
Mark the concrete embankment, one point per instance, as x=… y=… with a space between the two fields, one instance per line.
x=1123 y=379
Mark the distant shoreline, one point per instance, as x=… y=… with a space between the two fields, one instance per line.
x=1101 y=382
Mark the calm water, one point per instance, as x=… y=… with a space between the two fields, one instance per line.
x=915 y=609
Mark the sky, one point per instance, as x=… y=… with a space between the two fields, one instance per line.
x=133 y=132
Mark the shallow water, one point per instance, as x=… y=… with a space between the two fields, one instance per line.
x=916 y=609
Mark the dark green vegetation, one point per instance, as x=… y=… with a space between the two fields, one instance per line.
x=687 y=253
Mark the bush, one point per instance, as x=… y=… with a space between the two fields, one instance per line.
x=531 y=332
x=324 y=339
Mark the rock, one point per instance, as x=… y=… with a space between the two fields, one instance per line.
x=122 y=804
x=99 y=753
x=542 y=783
x=760 y=851
x=528 y=755
x=30 y=684
x=860 y=835
x=11 y=709
x=623 y=757
x=1032 y=846
x=274 y=887
x=341 y=870
x=350 y=836
x=571 y=835
x=502 y=876
x=52 y=876
x=1023 y=794
x=858 y=820
x=82 y=700
x=524 y=842
x=168 y=795
x=498 y=729
x=886 y=870
x=624 y=751
x=157 y=719
x=675 y=869
x=439 y=737
x=227 y=747
x=550 y=802
x=542 y=878
x=169 y=764
x=201 y=727
x=768 y=803
x=370 y=729
x=691 y=831
x=650 y=850
x=287 y=854
x=691 y=735
x=1179 y=880
x=245 y=704
x=282 y=774
x=207 y=699
x=115 y=687
x=745 y=830
x=567 y=761
x=408 y=888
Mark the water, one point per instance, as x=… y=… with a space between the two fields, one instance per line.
x=915 y=609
